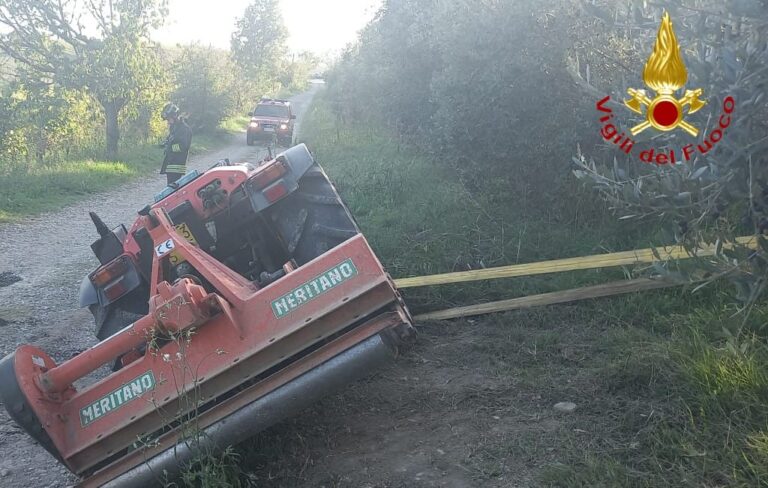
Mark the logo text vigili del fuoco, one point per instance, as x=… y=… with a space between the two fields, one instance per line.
x=665 y=75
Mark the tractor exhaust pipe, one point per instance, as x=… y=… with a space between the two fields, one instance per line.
x=284 y=402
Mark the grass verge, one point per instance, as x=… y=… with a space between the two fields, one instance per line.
x=237 y=123
x=28 y=192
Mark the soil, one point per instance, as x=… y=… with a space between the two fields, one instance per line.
x=458 y=408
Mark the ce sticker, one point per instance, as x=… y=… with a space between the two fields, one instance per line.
x=164 y=248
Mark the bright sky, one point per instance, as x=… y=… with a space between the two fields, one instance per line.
x=314 y=25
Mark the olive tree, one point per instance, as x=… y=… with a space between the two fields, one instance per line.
x=205 y=79
x=101 y=46
x=721 y=191
x=259 y=43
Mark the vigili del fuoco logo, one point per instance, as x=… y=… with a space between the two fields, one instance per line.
x=665 y=75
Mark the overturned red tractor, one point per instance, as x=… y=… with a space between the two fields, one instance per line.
x=239 y=297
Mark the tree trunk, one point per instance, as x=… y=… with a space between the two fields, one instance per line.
x=40 y=145
x=111 y=111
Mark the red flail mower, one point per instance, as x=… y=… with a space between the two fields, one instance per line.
x=239 y=297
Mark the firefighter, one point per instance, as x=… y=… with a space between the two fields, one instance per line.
x=176 y=145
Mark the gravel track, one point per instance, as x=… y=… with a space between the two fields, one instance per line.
x=42 y=261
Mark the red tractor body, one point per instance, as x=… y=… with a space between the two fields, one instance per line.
x=236 y=332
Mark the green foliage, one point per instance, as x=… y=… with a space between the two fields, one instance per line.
x=259 y=44
x=114 y=66
x=679 y=405
x=295 y=73
x=235 y=123
x=41 y=122
x=77 y=70
x=206 y=81
x=485 y=82
x=507 y=82
x=214 y=471
x=716 y=195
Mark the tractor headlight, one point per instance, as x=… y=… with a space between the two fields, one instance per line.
x=283 y=126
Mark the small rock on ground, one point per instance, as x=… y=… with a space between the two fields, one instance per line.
x=565 y=407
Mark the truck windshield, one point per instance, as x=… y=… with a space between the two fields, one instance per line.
x=271 y=111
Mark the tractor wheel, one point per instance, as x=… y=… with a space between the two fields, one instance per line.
x=314 y=219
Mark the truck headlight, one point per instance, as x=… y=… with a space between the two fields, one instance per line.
x=254 y=124
x=283 y=126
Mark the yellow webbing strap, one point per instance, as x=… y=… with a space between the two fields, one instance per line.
x=568 y=264
x=572 y=295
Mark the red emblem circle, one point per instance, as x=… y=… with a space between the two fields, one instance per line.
x=665 y=113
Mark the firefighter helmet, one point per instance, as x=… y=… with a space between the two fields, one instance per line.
x=169 y=110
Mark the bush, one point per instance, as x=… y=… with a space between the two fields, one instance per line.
x=483 y=87
x=205 y=79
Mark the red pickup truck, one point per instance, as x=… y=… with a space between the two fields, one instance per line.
x=271 y=118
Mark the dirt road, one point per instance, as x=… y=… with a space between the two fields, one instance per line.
x=42 y=261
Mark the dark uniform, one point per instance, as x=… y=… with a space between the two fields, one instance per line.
x=177 y=150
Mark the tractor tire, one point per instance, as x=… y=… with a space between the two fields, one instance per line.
x=314 y=219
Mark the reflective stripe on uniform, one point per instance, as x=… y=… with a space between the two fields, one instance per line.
x=176 y=168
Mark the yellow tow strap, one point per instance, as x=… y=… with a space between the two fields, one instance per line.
x=568 y=264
